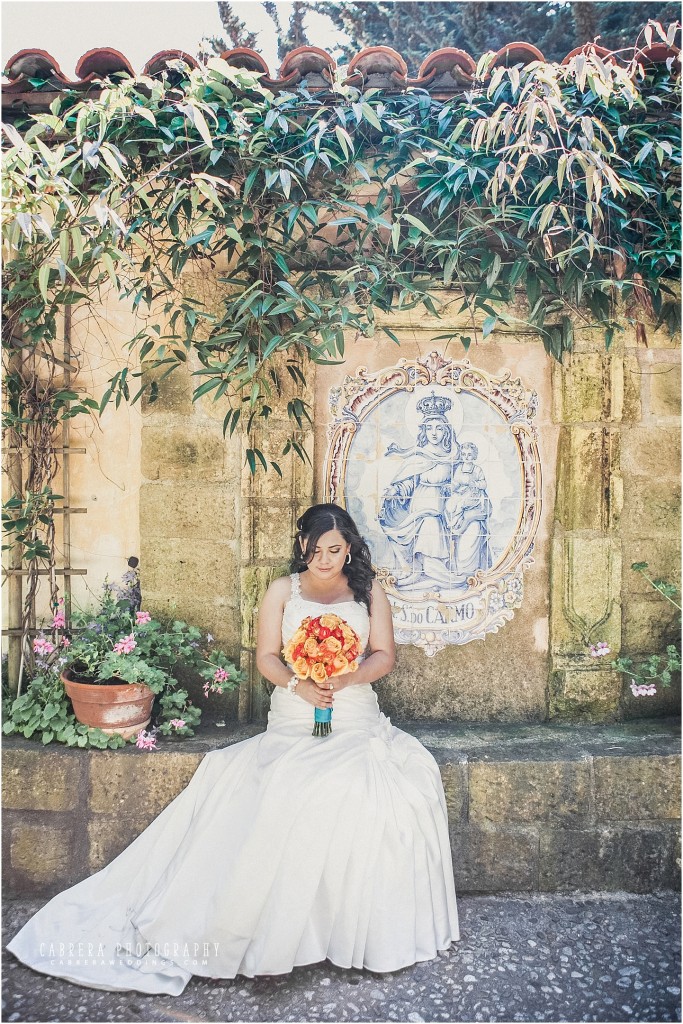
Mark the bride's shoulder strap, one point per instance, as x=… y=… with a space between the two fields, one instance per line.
x=296 y=587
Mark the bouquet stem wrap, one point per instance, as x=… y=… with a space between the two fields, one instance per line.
x=323 y=647
x=323 y=721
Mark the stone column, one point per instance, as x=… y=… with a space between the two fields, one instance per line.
x=588 y=399
x=271 y=506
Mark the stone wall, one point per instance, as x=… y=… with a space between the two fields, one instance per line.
x=531 y=808
x=162 y=482
x=618 y=502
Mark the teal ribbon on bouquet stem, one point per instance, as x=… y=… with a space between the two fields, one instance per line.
x=323 y=722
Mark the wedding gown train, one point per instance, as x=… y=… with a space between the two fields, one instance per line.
x=285 y=849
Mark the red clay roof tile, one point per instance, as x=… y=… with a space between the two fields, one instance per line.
x=444 y=72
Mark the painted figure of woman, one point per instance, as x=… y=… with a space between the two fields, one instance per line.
x=413 y=512
x=436 y=511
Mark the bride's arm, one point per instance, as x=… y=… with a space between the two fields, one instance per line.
x=382 y=655
x=269 y=645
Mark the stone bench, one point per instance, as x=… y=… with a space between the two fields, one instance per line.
x=532 y=807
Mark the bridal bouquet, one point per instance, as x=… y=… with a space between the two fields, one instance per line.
x=322 y=647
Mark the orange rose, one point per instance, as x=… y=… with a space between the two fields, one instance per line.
x=301 y=668
x=288 y=651
x=299 y=636
x=329 y=621
x=353 y=666
x=330 y=646
x=340 y=664
x=311 y=647
x=318 y=673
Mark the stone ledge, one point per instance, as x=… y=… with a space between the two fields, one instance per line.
x=536 y=807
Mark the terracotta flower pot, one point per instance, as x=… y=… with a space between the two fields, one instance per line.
x=123 y=708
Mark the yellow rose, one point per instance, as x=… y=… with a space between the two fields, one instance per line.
x=311 y=647
x=353 y=665
x=318 y=673
x=288 y=651
x=301 y=668
x=299 y=636
x=329 y=621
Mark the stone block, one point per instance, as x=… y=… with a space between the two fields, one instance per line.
x=40 y=780
x=665 y=389
x=649 y=624
x=273 y=527
x=297 y=474
x=175 y=567
x=494 y=860
x=42 y=853
x=109 y=836
x=633 y=381
x=255 y=580
x=199 y=512
x=630 y=858
x=652 y=507
x=633 y=788
x=666 y=702
x=457 y=684
x=582 y=388
x=588 y=458
x=586 y=587
x=117 y=784
x=175 y=392
x=455 y=786
x=663 y=556
x=186 y=450
x=585 y=693
x=652 y=451
x=514 y=792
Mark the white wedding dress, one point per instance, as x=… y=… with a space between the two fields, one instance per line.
x=285 y=849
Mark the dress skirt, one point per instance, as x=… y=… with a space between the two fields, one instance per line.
x=284 y=849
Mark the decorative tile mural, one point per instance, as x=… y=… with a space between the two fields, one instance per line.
x=437 y=461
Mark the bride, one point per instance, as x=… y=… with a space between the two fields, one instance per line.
x=287 y=848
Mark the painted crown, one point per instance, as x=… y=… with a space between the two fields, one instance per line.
x=434 y=405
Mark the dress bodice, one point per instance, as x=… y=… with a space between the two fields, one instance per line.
x=297 y=609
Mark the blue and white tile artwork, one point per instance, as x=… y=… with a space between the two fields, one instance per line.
x=437 y=463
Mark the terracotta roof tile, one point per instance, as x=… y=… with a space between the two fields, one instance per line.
x=100 y=62
x=444 y=72
x=157 y=64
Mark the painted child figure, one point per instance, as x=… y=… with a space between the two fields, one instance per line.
x=468 y=489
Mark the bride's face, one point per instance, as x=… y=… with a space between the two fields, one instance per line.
x=329 y=555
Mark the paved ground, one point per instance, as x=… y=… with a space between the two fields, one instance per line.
x=610 y=957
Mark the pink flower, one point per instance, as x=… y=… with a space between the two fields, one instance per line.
x=177 y=723
x=220 y=675
x=126 y=645
x=599 y=650
x=59 y=620
x=646 y=690
x=42 y=646
x=141 y=618
x=66 y=642
x=146 y=741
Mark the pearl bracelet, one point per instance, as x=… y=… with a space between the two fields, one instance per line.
x=292 y=684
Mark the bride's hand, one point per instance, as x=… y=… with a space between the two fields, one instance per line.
x=319 y=696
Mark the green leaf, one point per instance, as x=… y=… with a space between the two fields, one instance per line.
x=416 y=222
x=43 y=279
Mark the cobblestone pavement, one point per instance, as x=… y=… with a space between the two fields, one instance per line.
x=605 y=957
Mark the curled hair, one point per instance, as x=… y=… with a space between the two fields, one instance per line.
x=472 y=446
x=446 y=441
x=320 y=519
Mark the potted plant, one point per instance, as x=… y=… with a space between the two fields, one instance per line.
x=116 y=662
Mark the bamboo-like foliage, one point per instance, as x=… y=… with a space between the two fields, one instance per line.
x=328 y=208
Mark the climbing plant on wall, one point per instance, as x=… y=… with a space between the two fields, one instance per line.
x=556 y=182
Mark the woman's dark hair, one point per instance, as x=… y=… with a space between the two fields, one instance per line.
x=320 y=519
